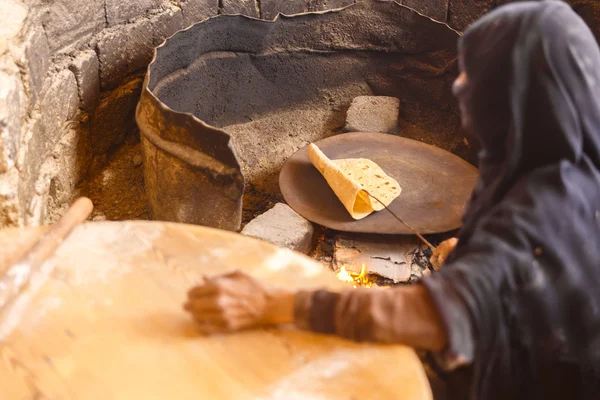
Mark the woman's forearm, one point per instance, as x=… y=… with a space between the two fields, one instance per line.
x=402 y=315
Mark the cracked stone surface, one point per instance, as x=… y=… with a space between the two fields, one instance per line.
x=391 y=257
x=283 y=227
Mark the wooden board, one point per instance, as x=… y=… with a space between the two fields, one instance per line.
x=103 y=320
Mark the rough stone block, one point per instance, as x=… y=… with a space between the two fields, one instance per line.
x=45 y=175
x=34 y=213
x=270 y=8
x=123 y=50
x=9 y=200
x=87 y=73
x=31 y=155
x=13 y=17
x=72 y=22
x=373 y=114
x=114 y=117
x=118 y=11
x=13 y=107
x=73 y=155
x=388 y=256
x=32 y=180
x=37 y=61
x=166 y=24
x=244 y=7
x=283 y=227
x=198 y=10
x=58 y=104
x=434 y=9
x=462 y=13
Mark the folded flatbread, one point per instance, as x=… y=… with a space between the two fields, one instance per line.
x=351 y=179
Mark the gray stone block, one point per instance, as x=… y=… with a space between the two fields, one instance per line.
x=9 y=200
x=13 y=108
x=86 y=69
x=72 y=22
x=123 y=50
x=45 y=175
x=166 y=24
x=73 y=155
x=462 y=13
x=270 y=8
x=58 y=104
x=35 y=154
x=37 y=61
x=197 y=10
x=114 y=116
x=283 y=227
x=119 y=11
x=244 y=7
x=34 y=213
x=32 y=155
x=373 y=114
x=434 y=9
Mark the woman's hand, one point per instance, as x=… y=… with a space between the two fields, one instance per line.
x=441 y=253
x=237 y=301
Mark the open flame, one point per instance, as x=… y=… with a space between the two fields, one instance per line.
x=357 y=279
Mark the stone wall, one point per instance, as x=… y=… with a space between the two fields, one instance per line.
x=71 y=72
x=69 y=83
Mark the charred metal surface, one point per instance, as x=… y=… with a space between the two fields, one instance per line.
x=231 y=98
x=435 y=184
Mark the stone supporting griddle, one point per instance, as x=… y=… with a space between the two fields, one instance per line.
x=373 y=114
x=283 y=227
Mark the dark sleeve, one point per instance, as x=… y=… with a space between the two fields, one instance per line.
x=315 y=310
x=356 y=314
x=497 y=299
x=374 y=315
x=445 y=291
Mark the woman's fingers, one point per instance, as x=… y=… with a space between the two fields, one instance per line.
x=230 y=321
x=209 y=303
x=229 y=302
x=441 y=253
x=203 y=290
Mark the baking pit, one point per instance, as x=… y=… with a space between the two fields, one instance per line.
x=229 y=100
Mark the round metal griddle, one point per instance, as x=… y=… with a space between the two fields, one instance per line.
x=436 y=185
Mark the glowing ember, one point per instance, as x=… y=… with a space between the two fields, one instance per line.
x=357 y=279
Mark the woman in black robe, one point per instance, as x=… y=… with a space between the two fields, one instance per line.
x=515 y=312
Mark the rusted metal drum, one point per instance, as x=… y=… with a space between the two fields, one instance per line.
x=229 y=70
x=191 y=173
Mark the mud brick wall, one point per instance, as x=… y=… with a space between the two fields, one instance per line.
x=71 y=73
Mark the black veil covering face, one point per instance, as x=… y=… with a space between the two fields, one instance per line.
x=520 y=296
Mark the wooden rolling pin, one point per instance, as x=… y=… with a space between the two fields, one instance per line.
x=17 y=275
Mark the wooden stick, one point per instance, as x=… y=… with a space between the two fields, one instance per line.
x=432 y=247
x=17 y=275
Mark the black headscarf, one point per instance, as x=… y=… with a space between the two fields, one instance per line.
x=520 y=296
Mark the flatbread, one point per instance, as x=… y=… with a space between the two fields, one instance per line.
x=351 y=179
